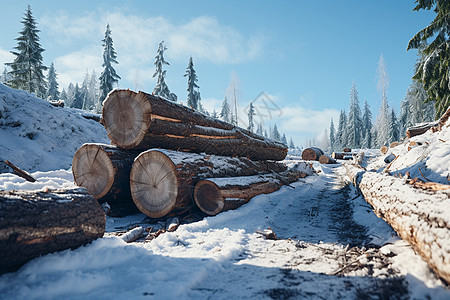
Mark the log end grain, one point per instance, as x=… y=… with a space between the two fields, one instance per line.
x=312 y=153
x=154 y=184
x=208 y=197
x=93 y=170
x=126 y=116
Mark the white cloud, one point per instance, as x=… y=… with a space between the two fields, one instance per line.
x=136 y=39
x=5 y=57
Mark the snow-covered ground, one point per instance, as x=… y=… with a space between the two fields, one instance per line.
x=36 y=136
x=330 y=243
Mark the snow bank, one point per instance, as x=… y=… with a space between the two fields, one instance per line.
x=426 y=156
x=36 y=136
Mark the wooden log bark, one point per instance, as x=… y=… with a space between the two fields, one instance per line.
x=418 y=213
x=162 y=181
x=337 y=155
x=104 y=170
x=384 y=149
x=312 y=153
x=215 y=195
x=325 y=159
x=347 y=150
x=143 y=121
x=34 y=223
x=420 y=129
x=19 y=172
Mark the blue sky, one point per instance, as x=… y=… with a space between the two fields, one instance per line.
x=303 y=54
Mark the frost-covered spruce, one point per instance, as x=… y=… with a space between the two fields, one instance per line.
x=52 y=92
x=161 y=89
x=27 y=67
x=354 y=120
x=193 y=95
x=109 y=76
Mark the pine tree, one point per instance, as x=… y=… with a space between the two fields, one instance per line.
x=193 y=95
x=78 y=98
x=225 y=113
x=367 y=126
x=341 y=134
x=63 y=96
x=52 y=92
x=251 y=114
x=284 y=139
x=275 y=133
x=265 y=133
x=434 y=68
x=93 y=93
x=27 y=67
x=161 y=89
x=354 y=121
x=291 y=144
x=109 y=77
x=70 y=95
x=214 y=114
x=382 y=125
x=259 y=129
x=394 y=133
x=5 y=77
x=332 y=137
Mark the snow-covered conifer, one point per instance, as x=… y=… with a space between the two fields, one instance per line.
x=354 y=120
x=284 y=139
x=161 y=89
x=225 y=113
x=332 y=137
x=394 y=134
x=27 y=67
x=291 y=144
x=341 y=134
x=275 y=133
x=367 y=126
x=193 y=94
x=251 y=114
x=259 y=129
x=77 y=98
x=109 y=77
x=52 y=92
x=382 y=124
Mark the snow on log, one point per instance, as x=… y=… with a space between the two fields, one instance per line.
x=420 y=129
x=35 y=223
x=215 y=195
x=104 y=170
x=134 y=234
x=312 y=153
x=143 y=121
x=418 y=212
x=325 y=159
x=384 y=149
x=162 y=181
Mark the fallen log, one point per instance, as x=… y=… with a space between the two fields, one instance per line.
x=312 y=153
x=420 y=129
x=35 y=223
x=104 y=170
x=19 y=172
x=325 y=159
x=347 y=150
x=215 y=195
x=143 y=121
x=419 y=213
x=162 y=181
x=384 y=149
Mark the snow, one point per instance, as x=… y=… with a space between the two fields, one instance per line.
x=36 y=136
x=331 y=244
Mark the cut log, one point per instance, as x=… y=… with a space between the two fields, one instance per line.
x=420 y=129
x=394 y=144
x=19 y=172
x=143 y=121
x=347 y=150
x=104 y=170
x=325 y=159
x=384 y=149
x=162 y=181
x=418 y=213
x=312 y=153
x=337 y=155
x=215 y=195
x=34 y=223
x=134 y=234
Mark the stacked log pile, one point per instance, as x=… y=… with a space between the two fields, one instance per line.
x=160 y=150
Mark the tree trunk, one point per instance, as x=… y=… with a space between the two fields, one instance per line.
x=104 y=170
x=215 y=195
x=162 y=181
x=34 y=223
x=417 y=212
x=420 y=129
x=143 y=121
x=312 y=153
x=325 y=159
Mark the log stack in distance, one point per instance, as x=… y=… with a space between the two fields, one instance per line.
x=312 y=153
x=143 y=121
